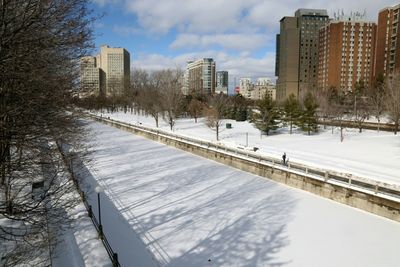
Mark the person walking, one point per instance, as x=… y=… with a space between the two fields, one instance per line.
x=284 y=158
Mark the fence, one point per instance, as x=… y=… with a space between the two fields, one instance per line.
x=366 y=125
x=363 y=185
x=70 y=165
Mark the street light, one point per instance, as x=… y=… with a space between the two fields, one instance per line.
x=99 y=189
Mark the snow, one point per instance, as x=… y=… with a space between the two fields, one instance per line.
x=165 y=207
x=80 y=245
x=370 y=154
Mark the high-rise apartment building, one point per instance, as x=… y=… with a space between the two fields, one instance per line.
x=297 y=52
x=108 y=73
x=89 y=76
x=222 y=82
x=387 y=57
x=346 y=53
x=114 y=70
x=201 y=76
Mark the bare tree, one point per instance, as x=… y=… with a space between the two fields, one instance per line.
x=149 y=100
x=172 y=97
x=392 y=101
x=362 y=111
x=324 y=99
x=361 y=104
x=139 y=81
x=339 y=111
x=377 y=98
x=215 y=113
x=195 y=108
x=40 y=45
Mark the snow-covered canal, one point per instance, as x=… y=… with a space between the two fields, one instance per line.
x=165 y=207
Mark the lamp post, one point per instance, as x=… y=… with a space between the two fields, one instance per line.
x=99 y=189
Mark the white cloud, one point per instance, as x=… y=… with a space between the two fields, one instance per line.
x=235 y=41
x=221 y=16
x=191 y=15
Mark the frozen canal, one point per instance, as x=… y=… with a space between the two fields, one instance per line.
x=165 y=207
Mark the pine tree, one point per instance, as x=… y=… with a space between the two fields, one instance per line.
x=292 y=111
x=308 y=118
x=241 y=114
x=267 y=115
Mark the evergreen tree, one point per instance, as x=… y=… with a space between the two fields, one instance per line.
x=237 y=108
x=308 y=118
x=268 y=114
x=241 y=114
x=292 y=111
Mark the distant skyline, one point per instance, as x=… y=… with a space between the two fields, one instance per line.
x=238 y=34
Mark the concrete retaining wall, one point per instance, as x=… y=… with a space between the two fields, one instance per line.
x=375 y=203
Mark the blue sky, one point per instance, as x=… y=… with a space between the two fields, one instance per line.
x=238 y=34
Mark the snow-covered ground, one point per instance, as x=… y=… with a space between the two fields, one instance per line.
x=166 y=207
x=80 y=246
x=370 y=154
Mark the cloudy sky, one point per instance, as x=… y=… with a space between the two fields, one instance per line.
x=238 y=34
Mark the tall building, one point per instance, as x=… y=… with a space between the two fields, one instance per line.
x=222 y=82
x=108 y=73
x=387 y=56
x=297 y=52
x=346 y=53
x=201 y=76
x=89 y=76
x=114 y=70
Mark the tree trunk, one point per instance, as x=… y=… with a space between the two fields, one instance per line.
x=379 y=121
x=341 y=134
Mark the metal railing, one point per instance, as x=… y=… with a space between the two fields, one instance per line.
x=348 y=180
x=68 y=161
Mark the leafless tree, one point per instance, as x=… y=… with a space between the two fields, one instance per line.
x=324 y=99
x=171 y=94
x=40 y=45
x=362 y=111
x=150 y=102
x=140 y=80
x=195 y=108
x=377 y=100
x=333 y=105
x=215 y=113
x=392 y=101
x=149 y=98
